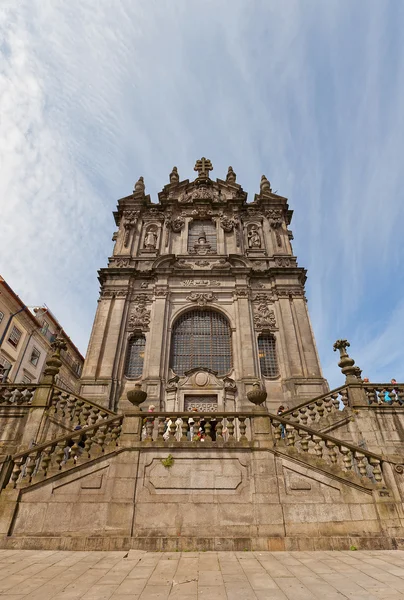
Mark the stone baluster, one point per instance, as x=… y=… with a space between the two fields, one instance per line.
x=376 y=465
x=380 y=396
x=31 y=462
x=230 y=428
x=361 y=461
x=18 y=397
x=75 y=449
x=94 y=415
x=86 y=413
x=332 y=452
x=277 y=427
x=304 y=441
x=328 y=404
x=347 y=457
x=318 y=449
x=243 y=427
x=15 y=475
x=62 y=403
x=400 y=395
x=320 y=407
x=116 y=432
x=219 y=429
x=149 y=425
x=46 y=459
x=344 y=398
x=78 y=409
x=371 y=395
x=295 y=416
x=55 y=399
x=101 y=436
x=303 y=415
x=335 y=400
x=290 y=435
x=59 y=454
x=312 y=412
x=184 y=429
x=172 y=431
x=208 y=429
x=160 y=428
x=70 y=406
x=90 y=439
x=197 y=424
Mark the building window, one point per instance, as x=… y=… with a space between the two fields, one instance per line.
x=15 y=336
x=198 y=229
x=267 y=355
x=201 y=338
x=1 y=316
x=135 y=356
x=35 y=356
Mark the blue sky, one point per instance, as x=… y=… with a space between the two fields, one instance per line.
x=94 y=94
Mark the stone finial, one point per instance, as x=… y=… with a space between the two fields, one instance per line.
x=346 y=363
x=54 y=363
x=265 y=186
x=203 y=166
x=231 y=176
x=139 y=186
x=174 y=177
x=257 y=395
x=136 y=396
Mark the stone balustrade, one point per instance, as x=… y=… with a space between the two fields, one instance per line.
x=75 y=409
x=197 y=428
x=313 y=410
x=64 y=452
x=17 y=394
x=382 y=394
x=336 y=453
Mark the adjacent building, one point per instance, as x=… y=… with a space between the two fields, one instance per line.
x=26 y=335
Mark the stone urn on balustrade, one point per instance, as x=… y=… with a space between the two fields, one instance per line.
x=136 y=396
x=257 y=395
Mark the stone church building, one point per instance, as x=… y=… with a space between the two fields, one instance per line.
x=176 y=440
x=201 y=297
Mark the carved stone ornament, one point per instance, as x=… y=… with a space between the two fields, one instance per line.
x=274 y=213
x=241 y=293
x=142 y=298
x=161 y=293
x=202 y=298
x=254 y=237
x=258 y=265
x=270 y=296
x=175 y=224
x=290 y=292
x=202 y=246
x=231 y=176
x=174 y=177
x=199 y=282
x=151 y=237
x=201 y=212
x=114 y=293
x=229 y=384
x=122 y=262
x=264 y=316
x=227 y=223
x=130 y=220
x=283 y=262
x=139 y=318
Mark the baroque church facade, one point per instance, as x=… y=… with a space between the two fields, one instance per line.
x=202 y=297
x=202 y=314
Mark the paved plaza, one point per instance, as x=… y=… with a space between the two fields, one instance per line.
x=57 y=575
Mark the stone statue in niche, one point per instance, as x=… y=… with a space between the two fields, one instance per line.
x=254 y=238
x=150 y=239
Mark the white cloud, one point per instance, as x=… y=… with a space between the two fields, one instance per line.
x=92 y=95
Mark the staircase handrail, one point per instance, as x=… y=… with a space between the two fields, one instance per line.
x=316 y=399
x=90 y=402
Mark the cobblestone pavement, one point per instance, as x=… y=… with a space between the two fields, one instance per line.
x=137 y=575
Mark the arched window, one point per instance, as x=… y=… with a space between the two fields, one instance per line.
x=267 y=355
x=201 y=338
x=135 y=356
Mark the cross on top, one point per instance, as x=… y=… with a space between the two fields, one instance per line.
x=203 y=166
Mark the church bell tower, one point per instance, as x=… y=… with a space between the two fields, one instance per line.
x=201 y=298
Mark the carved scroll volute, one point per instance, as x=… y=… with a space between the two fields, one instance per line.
x=275 y=219
x=228 y=224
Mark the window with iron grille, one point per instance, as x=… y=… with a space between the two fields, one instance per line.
x=267 y=355
x=196 y=230
x=201 y=338
x=15 y=336
x=135 y=356
x=35 y=356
